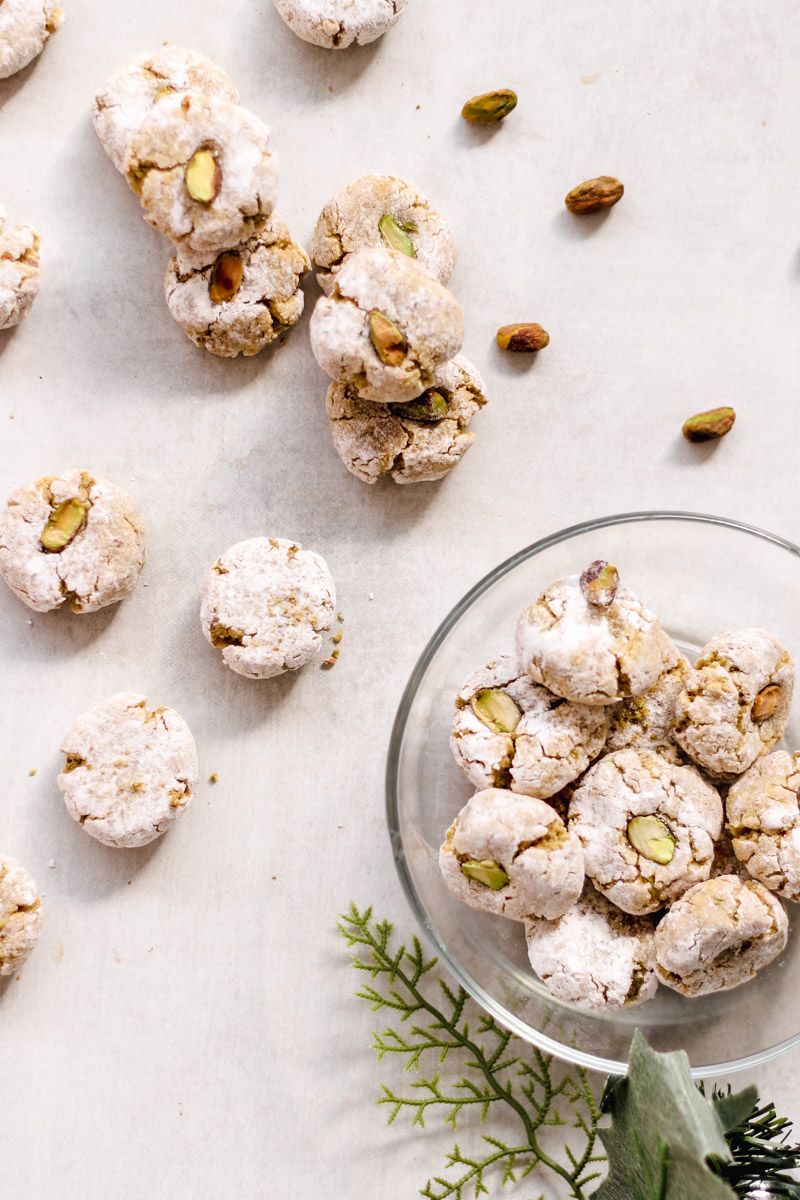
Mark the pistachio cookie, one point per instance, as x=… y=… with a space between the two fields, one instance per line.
x=266 y=604
x=25 y=26
x=648 y=720
x=129 y=772
x=763 y=810
x=512 y=856
x=127 y=97
x=19 y=271
x=595 y=955
x=590 y=652
x=20 y=915
x=381 y=211
x=71 y=537
x=416 y=442
x=508 y=732
x=239 y=301
x=718 y=935
x=735 y=705
x=386 y=327
x=336 y=24
x=647 y=827
x=203 y=170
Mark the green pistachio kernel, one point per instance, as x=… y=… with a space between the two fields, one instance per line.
x=62 y=525
x=485 y=871
x=390 y=344
x=395 y=234
x=430 y=406
x=653 y=840
x=496 y=709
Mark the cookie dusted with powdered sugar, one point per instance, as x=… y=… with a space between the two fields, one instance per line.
x=512 y=855
x=71 y=537
x=735 y=705
x=19 y=271
x=718 y=935
x=648 y=720
x=386 y=212
x=203 y=170
x=266 y=604
x=510 y=732
x=763 y=811
x=20 y=915
x=129 y=772
x=239 y=301
x=595 y=956
x=337 y=24
x=25 y=26
x=647 y=827
x=416 y=442
x=386 y=327
x=125 y=99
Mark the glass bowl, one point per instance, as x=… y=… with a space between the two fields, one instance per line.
x=700 y=575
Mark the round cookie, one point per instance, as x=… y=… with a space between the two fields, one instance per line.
x=508 y=732
x=735 y=705
x=19 y=271
x=243 y=299
x=129 y=772
x=25 y=26
x=763 y=810
x=103 y=538
x=595 y=956
x=127 y=97
x=648 y=720
x=414 y=443
x=385 y=212
x=718 y=935
x=266 y=603
x=182 y=136
x=386 y=327
x=647 y=827
x=337 y=24
x=587 y=653
x=512 y=856
x=20 y=915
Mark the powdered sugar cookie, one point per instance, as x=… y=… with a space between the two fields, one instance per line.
x=648 y=720
x=735 y=705
x=416 y=442
x=385 y=212
x=71 y=537
x=239 y=301
x=25 y=26
x=266 y=604
x=647 y=827
x=203 y=170
x=19 y=271
x=595 y=955
x=336 y=24
x=508 y=732
x=127 y=97
x=590 y=653
x=763 y=810
x=129 y=772
x=718 y=935
x=386 y=327
x=512 y=855
x=20 y=915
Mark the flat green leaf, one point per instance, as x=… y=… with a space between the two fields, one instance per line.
x=733 y=1110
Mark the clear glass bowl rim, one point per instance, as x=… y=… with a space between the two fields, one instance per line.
x=507 y=1019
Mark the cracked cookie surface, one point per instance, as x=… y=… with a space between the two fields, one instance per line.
x=100 y=564
x=674 y=854
x=526 y=841
x=243 y=299
x=648 y=720
x=20 y=915
x=374 y=440
x=174 y=131
x=266 y=604
x=127 y=97
x=337 y=24
x=537 y=750
x=735 y=705
x=25 y=26
x=351 y=222
x=595 y=956
x=130 y=770
x=19 y=271
x=586 y=653
x=424 y=314
x=718 y=935
x=763 y=811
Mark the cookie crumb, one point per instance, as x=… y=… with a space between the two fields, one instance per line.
x=337 y=637
x=370 y=596
x=340 y=617
x=32 y=771
x=52 y=864
x=213 y=778
x=331 y=662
